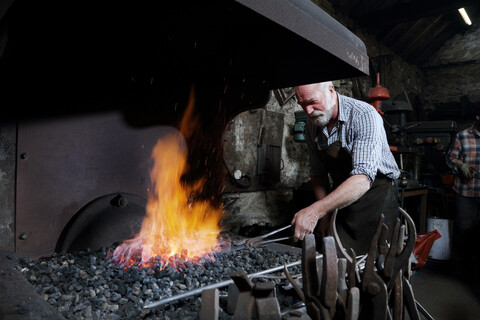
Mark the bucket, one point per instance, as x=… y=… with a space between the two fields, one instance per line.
x=441 y=248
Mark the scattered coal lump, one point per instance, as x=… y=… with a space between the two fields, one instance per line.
x=88 y=285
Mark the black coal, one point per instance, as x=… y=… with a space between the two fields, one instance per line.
x=88 y=285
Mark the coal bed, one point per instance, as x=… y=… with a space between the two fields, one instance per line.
x=89 y=285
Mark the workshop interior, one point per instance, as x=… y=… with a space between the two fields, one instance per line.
x=153 y=156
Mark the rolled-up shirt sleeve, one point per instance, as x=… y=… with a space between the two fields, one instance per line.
x=367 y=134
x=453 y=156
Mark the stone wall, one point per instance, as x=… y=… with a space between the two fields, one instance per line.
x=452 y=78
x=260 y=204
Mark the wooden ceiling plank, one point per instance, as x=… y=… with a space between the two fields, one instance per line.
x=394 y=32
x=425 y=55
x=365 y=7
x=411 y=10
x=419 y=33
x=422 y=50
x=418 y=29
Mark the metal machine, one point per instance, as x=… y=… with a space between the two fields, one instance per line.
x=420 y=147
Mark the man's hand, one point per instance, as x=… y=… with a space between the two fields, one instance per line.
x=305 y=221
x=345 y=194
x=465 y=171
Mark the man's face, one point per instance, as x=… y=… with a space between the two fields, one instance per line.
x=316 y=103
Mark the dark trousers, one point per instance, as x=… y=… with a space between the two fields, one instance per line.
x=466 y=237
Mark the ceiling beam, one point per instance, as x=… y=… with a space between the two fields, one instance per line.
x=411 y=10
x=421 y=30
x=419 y=53
x=451 y=65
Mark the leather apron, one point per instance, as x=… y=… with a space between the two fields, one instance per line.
x=356 y=224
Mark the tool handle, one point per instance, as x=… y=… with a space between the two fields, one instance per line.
x=271 y=240
x=274 y=232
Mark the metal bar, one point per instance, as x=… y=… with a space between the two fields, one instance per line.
x=217 y=285
x=423 y=311
x=299 y=306
x=259 y=238
x=273 y=232
x=261 y=243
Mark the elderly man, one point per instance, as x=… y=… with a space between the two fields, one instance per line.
x=352 y=167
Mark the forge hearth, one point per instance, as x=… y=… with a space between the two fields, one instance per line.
x=87 y=284
x=85 y=110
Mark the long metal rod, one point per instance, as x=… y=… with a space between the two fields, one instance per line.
x=423 y=311
x=218 y=285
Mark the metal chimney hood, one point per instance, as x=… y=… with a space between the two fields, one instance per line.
x=61 y=51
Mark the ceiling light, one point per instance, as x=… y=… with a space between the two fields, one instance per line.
x=465 y=16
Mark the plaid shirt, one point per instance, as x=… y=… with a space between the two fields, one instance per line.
x=363 y=136
x=465 y=149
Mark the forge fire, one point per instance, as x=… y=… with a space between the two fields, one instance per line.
x=177 y=227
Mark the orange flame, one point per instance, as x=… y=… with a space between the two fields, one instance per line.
x=176 y=228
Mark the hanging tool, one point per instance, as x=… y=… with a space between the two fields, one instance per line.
x=312 y=280
x=372 y=285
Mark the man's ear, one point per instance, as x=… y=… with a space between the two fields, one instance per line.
x=477 y=117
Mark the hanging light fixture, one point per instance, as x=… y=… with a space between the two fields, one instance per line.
x=465 y=16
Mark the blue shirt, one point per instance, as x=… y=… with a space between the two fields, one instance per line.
x=363 y=136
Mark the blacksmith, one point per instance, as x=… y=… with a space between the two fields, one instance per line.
x=352 y=167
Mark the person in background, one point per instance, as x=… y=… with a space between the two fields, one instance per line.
x=464 y=160
x=351 y=166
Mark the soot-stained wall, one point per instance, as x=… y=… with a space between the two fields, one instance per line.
x=261 y=203
x=452 y=78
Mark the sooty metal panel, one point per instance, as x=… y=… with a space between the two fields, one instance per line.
x=65 y=163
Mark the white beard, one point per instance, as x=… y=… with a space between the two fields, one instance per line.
x=319 y=118
x=322 y=118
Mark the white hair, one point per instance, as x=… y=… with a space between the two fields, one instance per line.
x=325 y=86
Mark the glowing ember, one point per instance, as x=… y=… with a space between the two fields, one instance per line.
x=176 y=228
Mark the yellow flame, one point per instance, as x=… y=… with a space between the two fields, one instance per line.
x=175 y=225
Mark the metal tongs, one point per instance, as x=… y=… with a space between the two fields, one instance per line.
x=258 y=241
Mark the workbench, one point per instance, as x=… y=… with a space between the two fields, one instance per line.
x=420 y=217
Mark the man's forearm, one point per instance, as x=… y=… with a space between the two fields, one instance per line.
x=345 y=194
x=348 y=192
